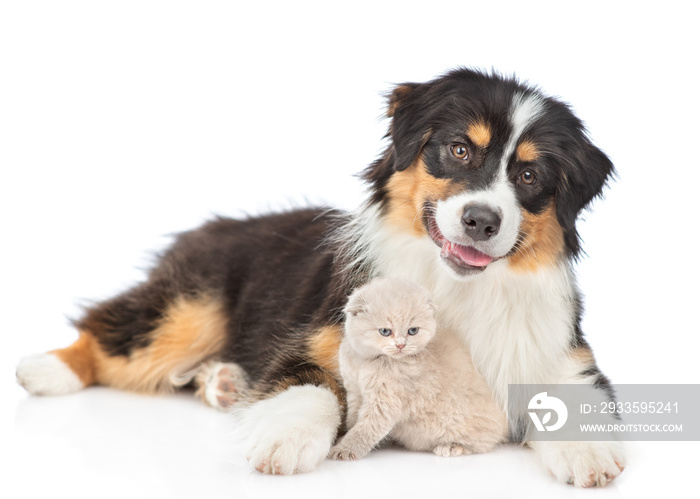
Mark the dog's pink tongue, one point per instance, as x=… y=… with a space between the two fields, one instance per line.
x=470 y=256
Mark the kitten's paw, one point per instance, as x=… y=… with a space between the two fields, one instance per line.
x=221 y=385
x=291 y=432
x=582 y=464
x=448 y=450
x=341 y=453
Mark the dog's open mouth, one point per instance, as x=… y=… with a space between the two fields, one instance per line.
x=462 y=258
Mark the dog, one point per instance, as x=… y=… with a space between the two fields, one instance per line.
x=475 y=198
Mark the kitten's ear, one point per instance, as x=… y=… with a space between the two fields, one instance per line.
x=355 y=310
x=431 y=306
x=356 y=304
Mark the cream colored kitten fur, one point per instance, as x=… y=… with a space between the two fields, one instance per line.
x=406 y=382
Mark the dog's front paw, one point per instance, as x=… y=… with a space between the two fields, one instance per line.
x=291 y=432
x=583 y=464
x=288 y=454
x=341 y=453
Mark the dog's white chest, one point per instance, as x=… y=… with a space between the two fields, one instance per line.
x=517 y=326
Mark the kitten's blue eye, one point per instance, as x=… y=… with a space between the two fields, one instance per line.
x=384 y=331
x=413 y=331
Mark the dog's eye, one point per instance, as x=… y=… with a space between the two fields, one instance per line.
x=413 y=331
x=459 y=151
x=527 y=177
x=384 y=331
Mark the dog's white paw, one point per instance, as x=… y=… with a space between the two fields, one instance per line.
x=291 y=432
x=221 y=385
x=583 y=464
x=46 y=374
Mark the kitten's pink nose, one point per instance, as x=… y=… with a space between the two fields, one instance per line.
x=400 y=346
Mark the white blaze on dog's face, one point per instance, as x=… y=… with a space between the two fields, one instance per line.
x=477 y=227
x=488 y=169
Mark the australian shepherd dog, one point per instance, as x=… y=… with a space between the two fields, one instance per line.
x=475 y=198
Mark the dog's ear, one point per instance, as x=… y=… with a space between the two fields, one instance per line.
x=582 y=178
x=409 y=105
x=398 y=95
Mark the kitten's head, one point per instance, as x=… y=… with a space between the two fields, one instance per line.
x=389 y=317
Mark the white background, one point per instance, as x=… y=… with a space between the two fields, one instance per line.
x=123 y=122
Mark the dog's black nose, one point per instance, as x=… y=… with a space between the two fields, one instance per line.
x=480 y=223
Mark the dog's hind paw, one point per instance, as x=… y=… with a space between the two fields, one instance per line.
x=46 y=374
x=220 y=384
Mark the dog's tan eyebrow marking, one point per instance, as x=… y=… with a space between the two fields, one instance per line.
x=527 y=151
x=479 y=133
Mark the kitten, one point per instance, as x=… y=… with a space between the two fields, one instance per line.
x=406 y=382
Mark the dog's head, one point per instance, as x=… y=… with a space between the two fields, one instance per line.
x=489 y=169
